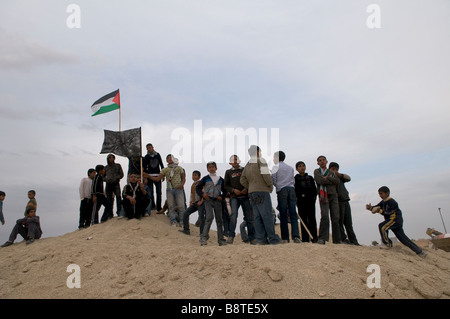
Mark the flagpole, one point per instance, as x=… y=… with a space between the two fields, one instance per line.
x=120 y=112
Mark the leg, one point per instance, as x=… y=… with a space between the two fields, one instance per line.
x=282 y=197
x=158 y=195
x=248 y=218
x=383 y=227
x=218 y=209
x=324 y=227
x=292 y=211
x=234 y=203
x=171 y=203
x=208 y=221
x=348 y=224
x=18 y=229
x=334 y=214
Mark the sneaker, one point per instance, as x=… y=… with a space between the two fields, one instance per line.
x=203 y=242
x=422 y=254
x=30 y=241
x=222 y=242
x=230 y=240
x=297 y=240
x=321 y=242
x=8 y=243
x=184 y=231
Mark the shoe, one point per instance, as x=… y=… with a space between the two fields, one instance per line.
x=184 y=231
x=203 y=242
x=297 y=240
x=321 y=242
x=30 y=241
x=422 y=254
x=8 y=243
x=230 y=240
x=222 y=242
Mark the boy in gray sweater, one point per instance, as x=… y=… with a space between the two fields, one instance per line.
x=28 y=227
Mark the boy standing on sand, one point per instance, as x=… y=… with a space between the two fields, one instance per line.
x=306 y=193
x=283 y=180
x=86 y=204
x=256 y=178
x=238 y=198
x=210 y=188
x=345 y=213
x=195 y=204
x=393 y=220
x=326 y=183
x=99 y=198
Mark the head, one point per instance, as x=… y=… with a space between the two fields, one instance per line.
x=334 y=167
x=235 y=161
x=300 y=167
x=2 y=195
x=196 y=175
x=31 y=194
x=211 y=167
x=149 y=147
x=100 y=169
x=110 y=159
x=279 y=156
x=384 y=192
x=31 y=213
x=133 y=178
x=91 y=173
x=322 y=161
x=254 y=151
x=169 y=159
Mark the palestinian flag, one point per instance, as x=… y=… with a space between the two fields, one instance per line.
x=108 y=103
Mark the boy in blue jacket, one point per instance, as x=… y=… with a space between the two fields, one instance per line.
x=393 y=220
x=210 y=188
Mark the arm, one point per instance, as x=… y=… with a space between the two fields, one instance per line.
x=227 y=183
x=199 y=187
x=243 y=180
x=183 y=180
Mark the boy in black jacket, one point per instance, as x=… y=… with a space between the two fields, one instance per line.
x=393 y=220
x=98 y=196
x=306 y=193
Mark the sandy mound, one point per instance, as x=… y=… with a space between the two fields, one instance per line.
x=151 y=259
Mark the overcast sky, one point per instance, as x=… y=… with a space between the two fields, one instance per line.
x=375 y=100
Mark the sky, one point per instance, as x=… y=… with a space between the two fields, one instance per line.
x=368 y=88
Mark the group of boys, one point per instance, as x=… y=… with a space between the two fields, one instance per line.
x=247 y=187
x=250 y=187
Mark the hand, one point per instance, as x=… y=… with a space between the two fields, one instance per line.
x=205 y=196
x=94 y=199
x=237 y=192
x=219 y=198
x=368 y=206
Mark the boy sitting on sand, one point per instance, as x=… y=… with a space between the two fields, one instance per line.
x=28 y=227
x=393 y=220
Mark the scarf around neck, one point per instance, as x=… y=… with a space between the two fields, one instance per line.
x=322 y=189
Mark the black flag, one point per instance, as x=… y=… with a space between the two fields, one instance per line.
x=124 y=143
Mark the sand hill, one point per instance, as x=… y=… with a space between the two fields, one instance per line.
x=150 y=259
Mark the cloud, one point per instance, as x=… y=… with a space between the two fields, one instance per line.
x=22 y=54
